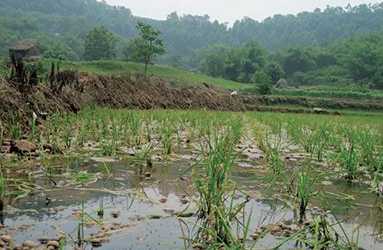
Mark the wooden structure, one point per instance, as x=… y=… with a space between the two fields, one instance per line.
x=24 y=56
x=26 y=50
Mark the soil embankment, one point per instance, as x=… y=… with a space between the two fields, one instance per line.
x=118 y=92
x=142 y=93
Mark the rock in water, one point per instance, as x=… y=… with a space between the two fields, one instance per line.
x=23 y=147
x=53 y=243
x=6 y=238
x=29 y=244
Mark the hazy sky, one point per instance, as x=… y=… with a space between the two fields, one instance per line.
x=228 y=10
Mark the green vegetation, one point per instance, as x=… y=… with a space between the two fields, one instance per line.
x=356 y=60
x=336 y=147
x=145 y=47
x=99 y=44
x=217 y=208
x=173 y=75
x=64 y=24
x=329 y=91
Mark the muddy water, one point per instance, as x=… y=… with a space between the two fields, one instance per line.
x=140 y=212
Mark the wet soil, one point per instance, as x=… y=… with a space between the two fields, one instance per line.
x=144 y=211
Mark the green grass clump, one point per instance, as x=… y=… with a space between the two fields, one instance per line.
x=216 y=207
x=304 y=192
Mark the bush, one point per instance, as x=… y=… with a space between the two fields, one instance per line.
x=264 y=89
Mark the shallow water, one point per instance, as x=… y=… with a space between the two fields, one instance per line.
x=146 y=207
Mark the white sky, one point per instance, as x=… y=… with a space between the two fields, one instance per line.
x=228 y=10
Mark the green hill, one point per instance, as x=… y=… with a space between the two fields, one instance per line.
x=64 y=23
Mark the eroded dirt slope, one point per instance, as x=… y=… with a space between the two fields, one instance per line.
x=119 y=92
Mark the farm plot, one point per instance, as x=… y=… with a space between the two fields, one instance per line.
x=194 y=179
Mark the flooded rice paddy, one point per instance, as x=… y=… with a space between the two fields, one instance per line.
x=126 y=201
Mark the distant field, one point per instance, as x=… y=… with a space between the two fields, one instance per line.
x=348 y=92
x=180 y=77
x=173 y=75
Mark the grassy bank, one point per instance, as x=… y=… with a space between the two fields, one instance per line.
x=175 y=76
x=344 y=92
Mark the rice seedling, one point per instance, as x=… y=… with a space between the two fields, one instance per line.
x=321 y=234
x=145 y=155
x=348 y=156
x=100 y=209
x=15 y=129
x=369 y=153
x=134 y=127
x=82 y=177
x=217 y=209
x=167 y=137
x=304 y=192
x=322 y=141
x=275 y=161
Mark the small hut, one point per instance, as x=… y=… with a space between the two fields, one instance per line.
x=282 y=83
x=26 y=50
x=24 y=56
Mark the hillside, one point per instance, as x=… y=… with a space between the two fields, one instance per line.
x=55 y=24
x=175 y=76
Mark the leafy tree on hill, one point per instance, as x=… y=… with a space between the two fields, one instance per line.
x=99 y=44
x=274 y=71
x=146 y=46
x=297 y=60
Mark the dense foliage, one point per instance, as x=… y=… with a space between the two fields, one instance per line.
x=99 y=44
x=355 y=60
x=311 y=47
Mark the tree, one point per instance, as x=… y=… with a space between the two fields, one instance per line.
x=99 y=44
x=261 y=77
x=274 y=71
x=145 y=47
x=297 y=60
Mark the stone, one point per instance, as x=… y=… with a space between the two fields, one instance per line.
x=148 y=174
x=6 y=238
x=23 y=147
x=5 y=149
x=103 y=159
x=155 y=217
x=29 y=244
x=115 y=214
x=53 y=243
x=184 y=201
x=96 y=242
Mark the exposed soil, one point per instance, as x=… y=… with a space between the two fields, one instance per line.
x=148 y=93
x=118 y=92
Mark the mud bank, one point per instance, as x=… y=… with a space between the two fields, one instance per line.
x=136 y=91
x=118 y=92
